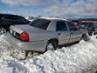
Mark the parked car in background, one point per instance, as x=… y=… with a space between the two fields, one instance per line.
x=45 y=34
x=8 y=19
x=87 y=23
x=95 y=28
x=89 y=26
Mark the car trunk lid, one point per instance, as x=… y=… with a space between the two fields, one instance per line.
x=22 y=32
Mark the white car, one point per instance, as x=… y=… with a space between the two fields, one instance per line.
x=45 y=34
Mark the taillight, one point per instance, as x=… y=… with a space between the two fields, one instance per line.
x=24 y=36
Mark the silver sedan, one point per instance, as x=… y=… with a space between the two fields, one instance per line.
x=45 y=34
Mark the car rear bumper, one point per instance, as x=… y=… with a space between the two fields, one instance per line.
x=34 y=46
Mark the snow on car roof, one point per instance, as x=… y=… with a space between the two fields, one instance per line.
x=53 y=18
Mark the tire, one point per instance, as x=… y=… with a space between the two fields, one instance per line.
x=2 y=30
x=51 y=45
x=90 y=33
x=85 y=37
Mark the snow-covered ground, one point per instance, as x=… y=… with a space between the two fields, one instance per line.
x=78 y=58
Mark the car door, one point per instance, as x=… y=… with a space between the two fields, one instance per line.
x=62 y=31
x=75 y=32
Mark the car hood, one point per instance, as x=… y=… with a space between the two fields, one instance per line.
x=28 y=28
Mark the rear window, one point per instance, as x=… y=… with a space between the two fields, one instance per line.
x=40 y=23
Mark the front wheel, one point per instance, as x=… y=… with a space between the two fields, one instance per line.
x=90 y=33
x=18 y=54
x=85 y=37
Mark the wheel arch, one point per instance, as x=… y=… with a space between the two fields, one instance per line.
x=52 y=40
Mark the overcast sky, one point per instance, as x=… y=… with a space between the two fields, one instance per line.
x=63 y=8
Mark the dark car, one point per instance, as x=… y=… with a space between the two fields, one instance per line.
x=89 y=26
x=8 y=19
x=86 y=23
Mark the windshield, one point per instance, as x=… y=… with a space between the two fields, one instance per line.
x=40 y=23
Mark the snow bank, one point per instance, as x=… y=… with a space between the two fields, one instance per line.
x=79 y=58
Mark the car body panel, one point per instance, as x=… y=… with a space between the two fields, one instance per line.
x=21 y=28
x=63 y=37
x=75 y=36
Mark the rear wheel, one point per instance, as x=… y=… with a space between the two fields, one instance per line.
x=52 y=45
x=30 y=54
x=23 y=54
x=18 y=54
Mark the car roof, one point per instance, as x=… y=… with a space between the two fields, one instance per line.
x=52 y=18
x=2 y=14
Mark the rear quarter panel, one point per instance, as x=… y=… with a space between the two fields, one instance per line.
x=43 y=36
x=40 y=39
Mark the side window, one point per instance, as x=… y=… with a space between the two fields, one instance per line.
x=40 y=23
x=61 y=26
x=72 y=26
